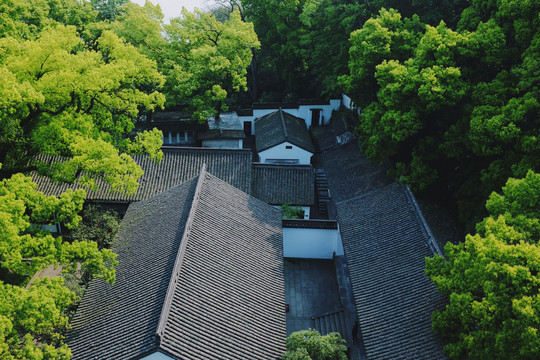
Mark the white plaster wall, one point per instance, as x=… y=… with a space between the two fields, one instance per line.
x=311 y=243
x=339 y=247
x=306 y=212
x=303 y=112
x=157 y=356
x=347 y=101
x=223 y=143
x=281 y=152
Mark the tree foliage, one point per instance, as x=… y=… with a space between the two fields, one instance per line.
x=98 y=225
x=310 y=345
x=25 y=247
x=304 y=43
x=207 y=60
x=456 y=107
x=204 y=59
x=31 y=320
x=61 y=95
x=292 y=212
x=492 y=280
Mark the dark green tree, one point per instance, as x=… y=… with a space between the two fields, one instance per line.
x=108 y=9
x=207 y=61
x=455 y=110
x=97 y=224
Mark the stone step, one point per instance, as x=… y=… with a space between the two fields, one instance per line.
x=332 y=322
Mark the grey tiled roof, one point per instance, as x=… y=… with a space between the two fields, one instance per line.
x=339 y=125
x=120 y=321
x=385 y=246
x=200 y=276
x=221 y=134
x=280 y=184
x=280 y=126
x=177 y=166
x=350 y=173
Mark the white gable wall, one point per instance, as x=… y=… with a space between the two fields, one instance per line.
x=282 y=152
x=303 y=112
x=311 y=243
x=157 y=356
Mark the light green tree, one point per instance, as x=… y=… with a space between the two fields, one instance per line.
x=492 y=280
x=207 y=61
x=31 y=320
x=61 y=98
x=25 y=248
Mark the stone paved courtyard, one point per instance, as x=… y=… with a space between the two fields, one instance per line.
x=310 y=290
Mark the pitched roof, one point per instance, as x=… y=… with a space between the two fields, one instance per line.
x=200 y=275
x=280 y=184
x=174 y=120
x=280 y=126
x=385 y=245
x=221 y=134
x=177 y=166
x=350 y=173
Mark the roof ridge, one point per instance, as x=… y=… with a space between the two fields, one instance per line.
x=283 y=124
x=165 y=310
x=282 y=166
x=432 y=242
x=201 y=149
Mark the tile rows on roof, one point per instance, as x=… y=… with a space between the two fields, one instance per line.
x=200 y=265
x=386 y=246
x=177 y=166
x=279 y=127
x=221 y=134
x=230 y=286
x=280 y=184
x=350 y=173
x=120 y=321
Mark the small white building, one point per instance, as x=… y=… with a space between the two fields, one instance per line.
x=281 y=138
x=314 y=113
x=226 y=132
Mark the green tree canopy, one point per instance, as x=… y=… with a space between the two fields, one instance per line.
x=492 y=280
x=24 y=19
x=61 y=96
x=458 y=108
x=304 y=42
x=31 y=320
x=207 y=60
x=25 y=248
x=310 y=345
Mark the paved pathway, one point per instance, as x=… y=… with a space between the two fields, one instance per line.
x=310 y=290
